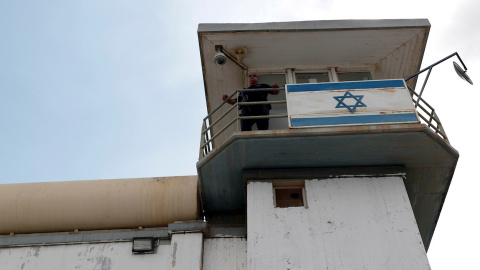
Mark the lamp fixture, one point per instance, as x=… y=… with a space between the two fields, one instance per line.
x=461 y=72
x=143 y=245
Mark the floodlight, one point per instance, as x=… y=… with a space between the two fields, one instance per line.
x=143 y=245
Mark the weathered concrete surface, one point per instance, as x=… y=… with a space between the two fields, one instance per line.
x=105 y=256
x=82 y=237
x=186 y=251
x=351 y=223
x=183 y=251
x=429 y=161
x=225 y=253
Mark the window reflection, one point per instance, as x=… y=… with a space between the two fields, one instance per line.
x=354 y=76
x=317 y=77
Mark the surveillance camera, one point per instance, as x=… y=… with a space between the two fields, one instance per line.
x=220 y=58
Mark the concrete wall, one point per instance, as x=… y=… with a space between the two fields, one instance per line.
x=352 y=223
x=183 y=251
x=225 y=253
x=104 y=256
x=186 y=251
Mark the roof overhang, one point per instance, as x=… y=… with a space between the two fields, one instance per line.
x=395 y=47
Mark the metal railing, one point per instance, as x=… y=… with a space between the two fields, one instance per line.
x=426 y=113
x=208 y=135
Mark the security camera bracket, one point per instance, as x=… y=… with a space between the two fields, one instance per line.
x=219 y=48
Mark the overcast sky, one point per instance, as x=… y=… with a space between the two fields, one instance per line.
x=114 y=89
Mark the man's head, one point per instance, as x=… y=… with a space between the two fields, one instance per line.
x=252 y=78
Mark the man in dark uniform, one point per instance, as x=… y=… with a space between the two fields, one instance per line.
x=254 y=96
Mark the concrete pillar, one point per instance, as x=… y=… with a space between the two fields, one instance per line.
x=186 y=251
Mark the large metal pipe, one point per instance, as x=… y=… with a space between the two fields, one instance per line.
x=98 y=204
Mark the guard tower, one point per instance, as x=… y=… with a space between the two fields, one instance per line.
x=350 y=174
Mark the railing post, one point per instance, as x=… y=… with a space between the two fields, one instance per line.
x=423 y=87
x=238 y=125
x=440 y=127
x=202 y=140
x=431 y=118
x=437 y=127
x=207 y=138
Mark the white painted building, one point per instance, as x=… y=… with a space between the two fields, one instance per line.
x=349 y=175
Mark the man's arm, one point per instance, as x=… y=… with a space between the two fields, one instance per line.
x=275 y=92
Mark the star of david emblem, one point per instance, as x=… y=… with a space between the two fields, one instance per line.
x=351 y=108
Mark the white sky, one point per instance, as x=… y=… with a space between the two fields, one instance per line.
x=113 y=89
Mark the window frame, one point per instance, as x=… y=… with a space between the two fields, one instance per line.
x=296 y=72
x=292 y=185
x=332 y=72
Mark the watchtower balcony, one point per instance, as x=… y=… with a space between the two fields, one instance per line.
x=403 y=135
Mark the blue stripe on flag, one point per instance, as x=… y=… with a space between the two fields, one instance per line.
x=344 y=85
x=359 y=119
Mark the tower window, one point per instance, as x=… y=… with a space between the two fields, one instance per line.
x=317 y=77
x=354 y=76
x=289 y=194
